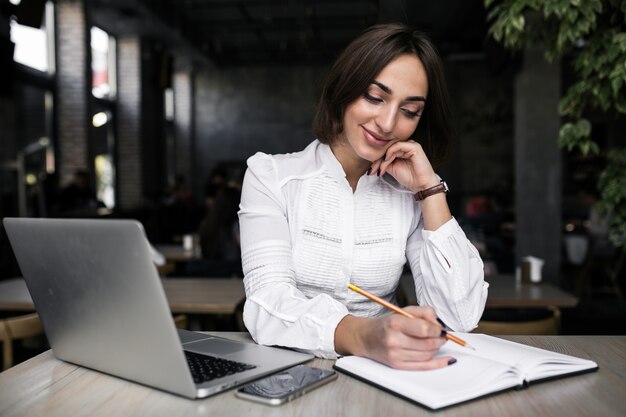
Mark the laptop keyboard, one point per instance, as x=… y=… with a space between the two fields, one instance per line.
x=206 y=368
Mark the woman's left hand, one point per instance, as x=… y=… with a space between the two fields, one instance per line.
x=407 y=162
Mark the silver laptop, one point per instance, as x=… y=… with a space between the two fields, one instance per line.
x=102 y=306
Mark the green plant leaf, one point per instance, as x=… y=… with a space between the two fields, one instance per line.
x=591 y=35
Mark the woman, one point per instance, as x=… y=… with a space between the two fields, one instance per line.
x=353 y=207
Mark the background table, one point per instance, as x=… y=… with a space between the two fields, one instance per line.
x=204 y=295
x=505 y=291
x=176 y=253
x=221 y=295
x=184 y=295
x=45 y=386
x=14 y=296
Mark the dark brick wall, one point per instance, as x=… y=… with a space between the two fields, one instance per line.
x=184 y=143
x=154 y=79
x=129 y=169
x=241 y=111
x=538 y=162
x=31 y=114
x=73 y=87
x=483 y=116
x=8 y=129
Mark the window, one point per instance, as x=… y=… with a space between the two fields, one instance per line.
x=103 y=88
x=35 y=47
x=102 y=64
x=168 y=128
x=103 y=138
x=30 y=46
x=33 y=138
x=105 y=178
x=168 y=98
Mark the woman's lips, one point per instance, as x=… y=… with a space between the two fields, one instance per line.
x=374 y=139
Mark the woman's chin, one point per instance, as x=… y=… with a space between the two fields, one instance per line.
x=371 y=155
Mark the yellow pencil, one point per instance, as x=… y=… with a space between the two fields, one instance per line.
x=398 y=310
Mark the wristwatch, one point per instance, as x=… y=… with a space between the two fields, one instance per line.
x=442 y=187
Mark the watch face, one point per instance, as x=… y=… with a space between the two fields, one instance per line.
x=445 y=186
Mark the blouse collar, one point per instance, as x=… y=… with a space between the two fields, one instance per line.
x=329 y=160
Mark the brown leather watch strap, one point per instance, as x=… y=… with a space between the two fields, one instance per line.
x=442 y=187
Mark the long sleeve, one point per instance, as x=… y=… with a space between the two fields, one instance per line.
x=276 y=312
x=448 y=275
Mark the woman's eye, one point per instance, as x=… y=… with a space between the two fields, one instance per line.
x=412 y=114
x=372 y=99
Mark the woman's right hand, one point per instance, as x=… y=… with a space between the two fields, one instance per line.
x=395 y=340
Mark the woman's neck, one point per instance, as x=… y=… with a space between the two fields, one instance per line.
x=353 y=166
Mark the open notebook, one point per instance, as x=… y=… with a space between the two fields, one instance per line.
x=496 y=365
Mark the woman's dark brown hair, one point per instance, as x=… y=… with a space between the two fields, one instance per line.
x=360 y=63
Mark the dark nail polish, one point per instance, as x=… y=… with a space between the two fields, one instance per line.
x=452 y=361
x=441 y=322
x=369 y=171
x=378 y=173
x=443 y=333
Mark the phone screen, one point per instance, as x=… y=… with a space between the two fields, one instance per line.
x=288 y=382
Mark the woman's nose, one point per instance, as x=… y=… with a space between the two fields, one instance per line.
x=386 y=119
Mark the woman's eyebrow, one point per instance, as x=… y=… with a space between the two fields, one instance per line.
x=383 y=87
x=388 y=91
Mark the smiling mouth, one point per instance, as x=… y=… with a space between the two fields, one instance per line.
x=375 y=139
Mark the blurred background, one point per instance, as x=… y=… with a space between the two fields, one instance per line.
x=148 y=109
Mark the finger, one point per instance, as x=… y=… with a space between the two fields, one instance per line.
x=426 y=313
x=399 y=356
x=405 y=150
x=408 y=147
x=402 y=149
x=412 y=335
x=421 y=345
x=375 y=167
x=415 y=328
x=436 y=363
x=397 y=153
x=391 y=158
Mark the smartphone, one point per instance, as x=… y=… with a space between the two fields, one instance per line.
x=286 y=385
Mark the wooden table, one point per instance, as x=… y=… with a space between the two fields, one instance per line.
x=185 y=295
x=14 y=296
x=45 y=386
x=204 y=295
x=176 y=253
x=504 y=291
x=221 y=295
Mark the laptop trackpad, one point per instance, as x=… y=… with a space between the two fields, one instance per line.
x=214 y=346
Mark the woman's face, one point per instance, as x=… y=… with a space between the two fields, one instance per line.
x=388 y=111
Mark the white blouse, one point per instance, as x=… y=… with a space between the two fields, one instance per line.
x=305 y=235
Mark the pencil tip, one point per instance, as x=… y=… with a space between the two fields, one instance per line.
x=467 y=345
